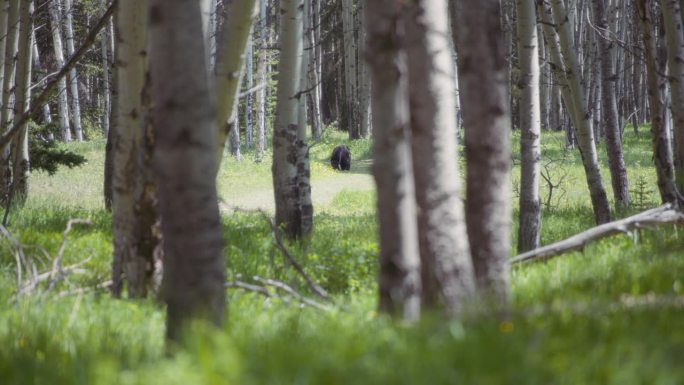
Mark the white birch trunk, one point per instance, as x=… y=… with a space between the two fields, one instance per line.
x=675 y=55
x=446 y=267
x=285 y=176
x=194 y=264
x=530 y=126
x=231 y=56
x=20 y=162
x=8 y=86
x=662 y=150
x=482 y=69
x=131 y=66
x=399 y=279
x=73 y=74
x=585 y=134
x=63 y=100
x=261 y=75
x=40 y=74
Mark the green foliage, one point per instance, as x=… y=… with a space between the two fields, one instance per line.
x=45 y=153
x=606 y=315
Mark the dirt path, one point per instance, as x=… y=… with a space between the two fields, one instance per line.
x=323 y=190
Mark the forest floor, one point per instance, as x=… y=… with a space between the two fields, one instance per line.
x=323 y=189
x=609 y=314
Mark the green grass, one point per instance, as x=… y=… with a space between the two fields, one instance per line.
x=611 y=314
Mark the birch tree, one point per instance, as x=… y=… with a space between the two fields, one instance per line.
x=63 y=101
x=675 y=63
x=392 y=165
x=131 y=68
x=609 y=112
x=482 y=72
x=73 y=74
x=231 y=56
x=7 y=115
x=290 y=210
x=655 y=65
x=446 y=267
x=262 y=27
x=582 y=121
x=20 y=161
x=530 y=126
x=194 y=268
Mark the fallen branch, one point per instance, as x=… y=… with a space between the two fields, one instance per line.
x=249 y=287
x=277 y=240
x=289 y=290
x=662 y=215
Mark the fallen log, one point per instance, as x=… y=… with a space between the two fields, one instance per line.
x=659 y=216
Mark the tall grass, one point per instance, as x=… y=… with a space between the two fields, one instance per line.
x=610 y=314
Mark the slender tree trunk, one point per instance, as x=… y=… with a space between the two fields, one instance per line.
x=530 y=126
x=446 y=267
x=482 y=69
x=363 y=81
x=349 y=47
x=8 y=85
x=40 y=74
x=249 y=98
x=618 y=171
x=131 y=67
x=585 y=134
x=392 y=165
x=314 y=95
x=63 y=101
x=73 y=74
x=303 y=165
x=261 y=75
x=106 y=81
x=285 y=173
x=20 y=162
x=655 y=65
x=237 y=24
x=4 y=15
x=112 y=136
x=194 y=269
x=675 y=47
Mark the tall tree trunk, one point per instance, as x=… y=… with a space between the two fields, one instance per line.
x=63 y=101
x=106 y=81
x=530 y=126
x=303 y=165
x=364 y=80
x=237 y=24
x=194 y=268
x=313 y=75
x=249 y=98
x=20 y=161
x=482 y=71
x=655 y=65
x=392 y=165
x=4 y=15
x=585 y=134
x=111 y=137
x=73 y=74
x=41 y=73
x=675 y=47
x=446 y=267
x=8 y=85
x=131 y=66
x=350 y=89
x=261 y=75
x=618 y=171
x=285 y=175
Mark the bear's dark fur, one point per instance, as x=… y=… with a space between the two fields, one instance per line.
x=341 y=158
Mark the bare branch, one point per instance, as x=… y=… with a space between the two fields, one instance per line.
x=662 y=215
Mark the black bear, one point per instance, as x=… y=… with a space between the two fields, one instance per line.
x=341 y=158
